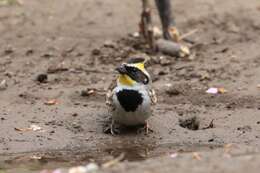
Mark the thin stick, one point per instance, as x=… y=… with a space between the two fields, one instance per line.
x=188 y=34
x=114 y=161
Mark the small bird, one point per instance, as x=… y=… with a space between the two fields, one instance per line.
x=130 y=97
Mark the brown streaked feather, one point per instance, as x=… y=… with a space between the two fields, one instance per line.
x=153 y=96
x=109 y=94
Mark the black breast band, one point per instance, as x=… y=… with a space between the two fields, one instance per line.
x=129 y=99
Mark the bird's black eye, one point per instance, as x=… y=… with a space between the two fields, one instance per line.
x=134 y=69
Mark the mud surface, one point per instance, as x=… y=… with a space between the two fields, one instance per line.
x=75 y=45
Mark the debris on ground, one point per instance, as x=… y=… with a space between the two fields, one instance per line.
x=96 y=51
x=216 y=91
x=78 y=169
x=92 y=167
x=113 y=161
x=228 y=147
x=57 y=68
x=164 y=61
x=33 y=127
x=109 y=44
x=89 y=168
x=172 y=48
x=196 y=156
x=54 y=171
x=135 y=34
x=9 y=49
x=212 y=91
x=42 y=78
x=173 y=90
x=222 y=90
x=88 y=92
x=210 y=126
x=34 y=157
x=92 y=91
x=3 y=85
x=51 y=102
x=191 y=123
x=184 y=36
x=258 y=86
x=174 y=155
x=245 y=129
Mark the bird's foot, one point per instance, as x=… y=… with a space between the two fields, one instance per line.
x=146 y=128
x=112 y=129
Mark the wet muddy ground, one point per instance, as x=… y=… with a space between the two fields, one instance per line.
x=77 y=44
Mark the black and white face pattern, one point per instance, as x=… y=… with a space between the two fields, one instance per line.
x=134 y=73
x=137 y=75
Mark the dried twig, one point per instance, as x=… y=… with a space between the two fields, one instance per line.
x=114 y=161
x=188 y=34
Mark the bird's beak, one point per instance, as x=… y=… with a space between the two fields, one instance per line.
x=121 y=69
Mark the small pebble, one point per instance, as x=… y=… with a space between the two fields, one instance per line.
x=3 y=85
x=92 y=167
x=42 y=78
x=96 y=52
x=109 y=44
x=79 y=169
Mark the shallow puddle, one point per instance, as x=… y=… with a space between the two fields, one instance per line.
x=36 y=161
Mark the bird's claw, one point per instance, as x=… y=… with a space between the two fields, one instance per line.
x=146 y=128
x=112 y=129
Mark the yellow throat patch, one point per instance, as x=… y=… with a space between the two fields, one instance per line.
x=126 y=80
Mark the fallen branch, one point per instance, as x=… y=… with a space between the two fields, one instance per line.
x=172 y=48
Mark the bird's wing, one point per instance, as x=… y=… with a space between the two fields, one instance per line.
x=153 y=96
x=110 y=93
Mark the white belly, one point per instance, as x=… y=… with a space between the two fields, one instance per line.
x=139 y=116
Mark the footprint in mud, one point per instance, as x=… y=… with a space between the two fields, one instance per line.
x=193 y=123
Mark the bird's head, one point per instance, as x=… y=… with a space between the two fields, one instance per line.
x=133 y=72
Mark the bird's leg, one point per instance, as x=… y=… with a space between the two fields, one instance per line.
x=146 y=27
x=145 y=128
x=170 y=32
x=112 y=128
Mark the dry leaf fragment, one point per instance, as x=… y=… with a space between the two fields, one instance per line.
x=196 y=156
x=212 y=91
x=36 y=157
x=88 y=92
x=174 y=155
x=216 y=91
x=51 y=102
x=3 y=85
x=227 y=148
x=79 y=169
x=222 y=90
x=33 y=127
